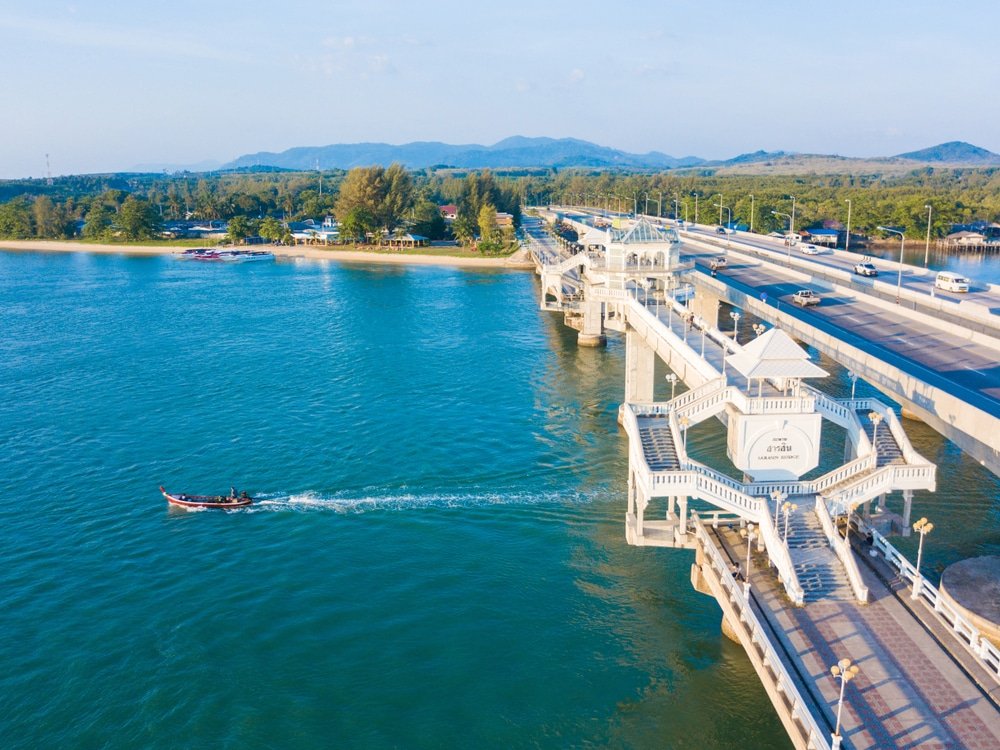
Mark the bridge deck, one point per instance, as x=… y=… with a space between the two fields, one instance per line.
x=915 y=688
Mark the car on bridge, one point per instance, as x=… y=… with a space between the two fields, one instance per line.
x=865 y=269
x=810 y=250
x=716 y=263
x=806 y=298
x=724 y=230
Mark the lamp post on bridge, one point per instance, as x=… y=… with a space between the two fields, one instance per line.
x=759 y=328
x=844 y=671
x=788 y=508
x=854 y=382
x=791 y=226
x=736 y=320
x=696 y=196
x=676 y=212
x=927 y=247
x=672 y=379
x=749 y=535
x=875 y=417
x=847 y=237
x=719 y=204
x=751 y=213
x=902 y=242
x=788 y=240
x=701 y=325
x=684 y=422
x=659 y=206
x=779 y=498
x=922 y=527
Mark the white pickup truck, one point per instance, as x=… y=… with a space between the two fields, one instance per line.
x=806 y=298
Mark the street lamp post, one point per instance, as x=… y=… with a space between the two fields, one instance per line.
x=759 y=328
x=778 y=497
x=788 y=508
x=672 y=379
x=676 y=211
x=749 y=535
x=927 y=247
x=844 y=671
x=847 y=237
x=875 y=417
x=696 y=194
x=684 y=422
x=701 y=325
x=736 y=319
x=902 y=243
x=788 y=240
x=719 y=204
x=854 y=382
x=792 y=218
x=922 y=527
x=751 y=213
x=659 y=206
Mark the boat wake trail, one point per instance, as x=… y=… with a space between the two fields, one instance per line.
x=373 y=500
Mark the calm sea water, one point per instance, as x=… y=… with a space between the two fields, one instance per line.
x=438 y=557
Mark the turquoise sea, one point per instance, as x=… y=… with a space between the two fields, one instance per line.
x=437 y=558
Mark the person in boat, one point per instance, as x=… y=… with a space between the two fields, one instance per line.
x=232 y=494
x=244 y=495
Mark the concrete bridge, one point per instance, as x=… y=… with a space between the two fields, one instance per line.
x=771 y=531
x=933 y=352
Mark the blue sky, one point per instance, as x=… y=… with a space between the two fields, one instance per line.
x=106 y=86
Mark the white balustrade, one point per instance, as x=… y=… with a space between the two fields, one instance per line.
x=767 y=652
x=965 y=632
x=842 y=550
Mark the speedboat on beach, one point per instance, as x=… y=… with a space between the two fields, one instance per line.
x=232 y=500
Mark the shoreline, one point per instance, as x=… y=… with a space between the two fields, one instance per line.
x=517 y=261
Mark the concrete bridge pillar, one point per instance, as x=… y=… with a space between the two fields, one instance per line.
x=592 y=333
x=706 y=306
x=682 y=519
x=671 y=501
x=640 y=360
x=907 y=510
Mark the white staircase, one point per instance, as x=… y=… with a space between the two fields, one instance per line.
x=821 y=574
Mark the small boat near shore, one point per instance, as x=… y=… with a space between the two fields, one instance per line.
x=234 y=500
x=226 y=256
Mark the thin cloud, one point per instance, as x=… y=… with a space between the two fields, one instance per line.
x=136 y=40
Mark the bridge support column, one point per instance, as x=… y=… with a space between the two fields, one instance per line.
x=671 y=501
x=592 y=333
x=907 y=510
x=682 y=520
x=706 y=306
x=639 y=362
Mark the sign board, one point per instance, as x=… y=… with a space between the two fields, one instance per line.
x=774 y=447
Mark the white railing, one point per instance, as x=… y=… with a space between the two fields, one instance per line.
x=843 y=415
x=967 y=634
x=703 y=390
x=769 y=657
x=573 y=261
x=842 y=550
x=849 y=470
x=777 y=550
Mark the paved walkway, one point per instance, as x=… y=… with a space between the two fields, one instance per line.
x=910 y=693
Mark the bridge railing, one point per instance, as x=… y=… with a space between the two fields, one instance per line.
x=760 y=638
x=780 y=557
x=842 y=549
x=892 y=422
x=967 y=634
x=858 y=466
x=842 y=414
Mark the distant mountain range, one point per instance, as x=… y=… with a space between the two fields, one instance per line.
x=953 y=152
x=520 y=151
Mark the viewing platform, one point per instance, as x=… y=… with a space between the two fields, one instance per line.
x=789 y=545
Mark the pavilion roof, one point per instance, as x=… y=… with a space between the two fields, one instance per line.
x=775 y=355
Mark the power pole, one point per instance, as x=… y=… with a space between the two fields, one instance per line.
x=48 y=171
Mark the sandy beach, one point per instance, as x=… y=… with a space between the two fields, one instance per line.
x=518 y=260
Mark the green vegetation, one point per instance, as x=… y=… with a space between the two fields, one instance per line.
x=373 y=201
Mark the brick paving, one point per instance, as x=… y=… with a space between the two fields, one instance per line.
x=910 y=693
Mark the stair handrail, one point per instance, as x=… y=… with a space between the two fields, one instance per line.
x=777 y=550
x=858 y=466
x=842 y=550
